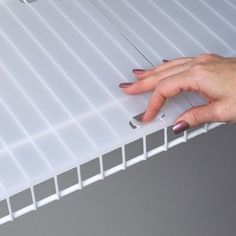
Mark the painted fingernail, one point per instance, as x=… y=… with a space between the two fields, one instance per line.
x=180 y=127
x=138 y=71
x=165 y=60
x=125 y=85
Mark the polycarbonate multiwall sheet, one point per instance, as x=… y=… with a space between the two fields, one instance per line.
x=169 y=29
x=59 y=76
x=61 y=62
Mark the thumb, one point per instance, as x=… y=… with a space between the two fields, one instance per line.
x=194 y=117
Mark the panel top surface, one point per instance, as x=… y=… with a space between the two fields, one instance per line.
x=60 y=65
x=167 y=29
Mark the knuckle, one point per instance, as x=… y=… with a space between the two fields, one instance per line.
x=162 y=83
x=219 y=113
x=146 y=84
x=140 y=85
x=214 y=55
x=203 y=58
x=160 y=75
x=198 y=70
x=160 y=86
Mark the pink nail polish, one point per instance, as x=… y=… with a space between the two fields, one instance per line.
x=138 y=71
x=125 y=85
x=180 y=127
x=165 y=60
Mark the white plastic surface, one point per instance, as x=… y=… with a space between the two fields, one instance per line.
x=60 y=68
x=60 y=65
x=168 y=29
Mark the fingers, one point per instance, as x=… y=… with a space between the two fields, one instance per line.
x=142 y=74
x=140 y=86
x=195 y=116
x=186 y=74
x=150 y=82
x=156 y=102
x=166 y=88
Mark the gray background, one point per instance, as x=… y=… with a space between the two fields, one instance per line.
x=188 y=190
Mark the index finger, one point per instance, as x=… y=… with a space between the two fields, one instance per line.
x=166 y=88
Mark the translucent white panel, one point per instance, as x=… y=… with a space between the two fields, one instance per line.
x=29 y=80
x=181 y=102
x=72 y=12
x=225 y=10
x=231 y=3
x=59 y=69
x=32 y=161
x=195 y=99
x=61 y=63
x=194 y=26
x=138 y=29
x=142 y=21
x=98 y=131
x=155 y=20
x=11 y=176
x=115 y=115
x=18 y=104
x=224 y=32
x=10 y=132
x=55 y=153
x=46 y=67
x=77 y=42
x=1 y=191
x=78 y=143
x=132 y=107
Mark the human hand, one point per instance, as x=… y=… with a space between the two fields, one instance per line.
x=212 y=76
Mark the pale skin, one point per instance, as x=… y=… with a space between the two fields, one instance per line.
x=212 y=76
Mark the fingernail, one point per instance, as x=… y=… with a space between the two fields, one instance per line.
x=165 y=60
x=180 y=127
x=138 y=71
x=125 y=85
